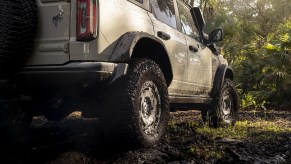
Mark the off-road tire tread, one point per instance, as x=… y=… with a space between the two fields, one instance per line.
x=18 y=28
x=210 y=114
x=119 y=112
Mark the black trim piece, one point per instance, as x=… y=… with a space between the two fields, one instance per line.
x=189 y=99
x=72 y=78
x=74 y=66
x=163 y=35
x=219 y=79
x=126 y=43
x=145 y=5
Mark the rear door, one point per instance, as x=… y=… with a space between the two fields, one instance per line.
x=51 y=44
x=199 y=78
x=164 y=17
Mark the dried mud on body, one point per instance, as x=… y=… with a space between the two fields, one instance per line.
x=258 y=137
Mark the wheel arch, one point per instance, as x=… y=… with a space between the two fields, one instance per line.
x=143 y=45
x=222 y=72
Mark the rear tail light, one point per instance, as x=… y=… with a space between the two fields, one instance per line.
x=86 y=20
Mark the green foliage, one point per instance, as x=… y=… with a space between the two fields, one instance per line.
x=258 y=130
x=253 y=100
x=205 y=152
x=258 y=45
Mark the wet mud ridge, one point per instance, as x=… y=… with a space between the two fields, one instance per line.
x=76 y=140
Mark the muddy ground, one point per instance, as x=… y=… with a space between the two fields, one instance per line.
x=74 y=140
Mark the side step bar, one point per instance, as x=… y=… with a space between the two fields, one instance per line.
x=189 y=99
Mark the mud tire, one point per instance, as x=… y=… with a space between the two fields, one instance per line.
x=224 y=107
x=18 y=27
x=124 y=116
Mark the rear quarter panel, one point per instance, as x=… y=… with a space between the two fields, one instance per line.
x=116 y=18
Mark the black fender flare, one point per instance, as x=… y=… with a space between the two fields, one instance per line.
x=222 y=72
x=124 y=50
x=126 y=43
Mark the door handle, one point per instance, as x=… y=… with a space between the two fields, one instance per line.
x=193 y=48
x=164 y=35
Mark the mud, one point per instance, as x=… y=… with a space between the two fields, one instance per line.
x=77 y=140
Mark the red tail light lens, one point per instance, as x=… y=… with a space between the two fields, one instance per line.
x=86 y=20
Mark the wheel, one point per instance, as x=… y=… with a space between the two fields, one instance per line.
x=137 y=109
x=224 y=107
x=18 y=27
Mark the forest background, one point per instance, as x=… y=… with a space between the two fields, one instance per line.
x=257 y=44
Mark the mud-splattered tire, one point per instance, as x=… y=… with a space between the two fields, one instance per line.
x=18 y=27
x=224 y=107
x=137 y=109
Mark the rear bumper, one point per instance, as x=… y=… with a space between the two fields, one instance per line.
x=71 y=78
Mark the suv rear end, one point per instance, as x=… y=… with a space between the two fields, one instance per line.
x=74 y=47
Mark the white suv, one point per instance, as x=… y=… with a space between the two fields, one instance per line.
x=127 y=62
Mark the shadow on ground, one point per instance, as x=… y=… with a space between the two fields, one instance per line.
x=77 y=140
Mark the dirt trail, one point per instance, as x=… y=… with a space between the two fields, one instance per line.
x=75 y=140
